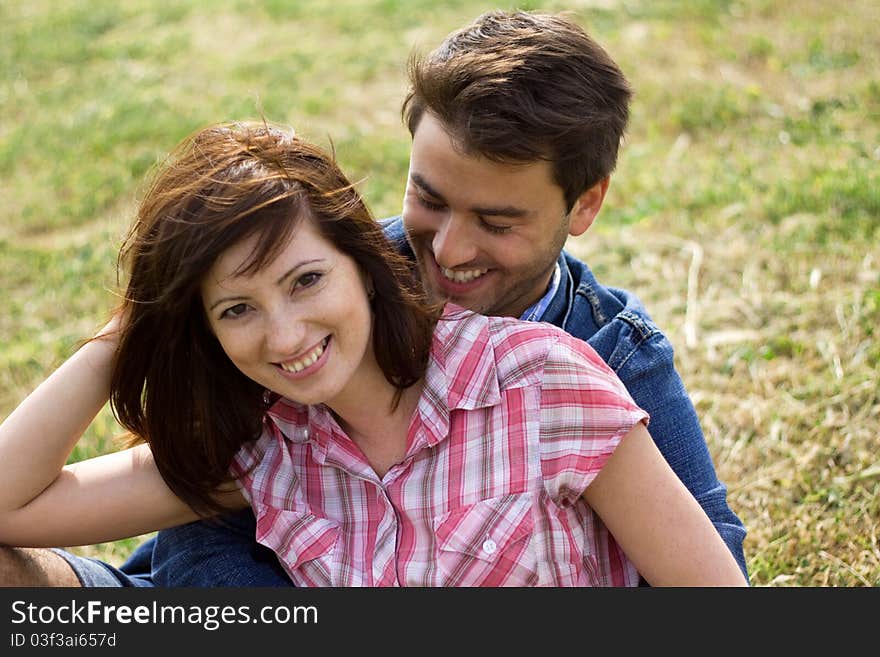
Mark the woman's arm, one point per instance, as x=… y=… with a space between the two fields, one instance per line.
x=44 y=503
x=38 y=436
x=102 y=499
x=656 y=521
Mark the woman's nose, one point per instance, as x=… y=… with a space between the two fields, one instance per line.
x=286 y=333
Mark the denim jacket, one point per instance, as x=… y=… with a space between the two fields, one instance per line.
x=618 y=327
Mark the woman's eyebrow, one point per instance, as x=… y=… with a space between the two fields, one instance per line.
x=280 y=281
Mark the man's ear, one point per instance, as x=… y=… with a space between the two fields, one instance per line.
x=587 y=207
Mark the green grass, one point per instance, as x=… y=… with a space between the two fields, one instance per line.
x=754 y=144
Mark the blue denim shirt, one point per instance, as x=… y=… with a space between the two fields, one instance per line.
x=612 y=321
x=615 y=323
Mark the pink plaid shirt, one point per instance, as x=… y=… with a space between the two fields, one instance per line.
x=515 y=420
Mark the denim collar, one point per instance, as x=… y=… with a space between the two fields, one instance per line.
x=560 y=306
x=535 y=312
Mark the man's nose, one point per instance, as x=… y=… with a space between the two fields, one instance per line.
x=453 y=245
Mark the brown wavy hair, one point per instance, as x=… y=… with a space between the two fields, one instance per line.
x=517 y=87
x=173 y=386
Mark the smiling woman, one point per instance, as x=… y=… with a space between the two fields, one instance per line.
x=274 y=350
x=272 y=250
x=282 y=324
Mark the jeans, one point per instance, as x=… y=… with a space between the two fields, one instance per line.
x=198 y=554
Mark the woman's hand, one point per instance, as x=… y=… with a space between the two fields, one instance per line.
x=37 y=437
x=111 y=330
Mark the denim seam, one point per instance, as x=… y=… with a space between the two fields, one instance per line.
x=638 y=345
x=593 y=299
x=641 y=328
x=638 y=324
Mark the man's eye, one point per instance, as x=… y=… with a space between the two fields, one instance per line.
x=235 y=311
x=430 y=205
x=494 y=228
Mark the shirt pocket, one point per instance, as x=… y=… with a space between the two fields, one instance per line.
x=305 y=543
x=487 y=543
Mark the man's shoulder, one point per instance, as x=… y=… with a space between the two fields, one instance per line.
x=612 y=320
x=387 y=222
x=395 y=232
x=393 y=227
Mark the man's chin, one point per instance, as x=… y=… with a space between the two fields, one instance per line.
x=474 y=305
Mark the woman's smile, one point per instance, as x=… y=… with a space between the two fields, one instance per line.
x=300 y=326
x=306 y=364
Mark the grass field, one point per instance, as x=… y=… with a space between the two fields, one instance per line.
x=744 y=210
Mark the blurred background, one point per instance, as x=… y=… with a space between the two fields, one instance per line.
x=744 y=210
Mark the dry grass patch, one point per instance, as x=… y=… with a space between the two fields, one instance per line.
x=778 y=353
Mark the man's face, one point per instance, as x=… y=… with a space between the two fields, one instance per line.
x=486 y=235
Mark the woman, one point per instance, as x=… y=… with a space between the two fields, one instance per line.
x=273 y=350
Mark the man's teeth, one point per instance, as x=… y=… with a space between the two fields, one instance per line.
x=301 y=364
x=462 y=276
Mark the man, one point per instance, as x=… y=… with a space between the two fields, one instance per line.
x=516 y=122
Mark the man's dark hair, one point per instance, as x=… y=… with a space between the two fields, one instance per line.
x=519 y=87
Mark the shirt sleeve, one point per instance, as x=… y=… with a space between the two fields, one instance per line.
x=246 y=462
x=585 y=412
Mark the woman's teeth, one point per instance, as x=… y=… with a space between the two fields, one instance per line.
x=308 y=360
x=462 y=276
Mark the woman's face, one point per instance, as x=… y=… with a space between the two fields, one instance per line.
x=301 y=326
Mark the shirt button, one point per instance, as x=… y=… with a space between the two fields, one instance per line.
x=489 y=546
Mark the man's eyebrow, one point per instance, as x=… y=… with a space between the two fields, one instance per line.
x=503 y=211
x=423 y=184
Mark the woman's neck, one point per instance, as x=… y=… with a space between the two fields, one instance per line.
x=375 y=425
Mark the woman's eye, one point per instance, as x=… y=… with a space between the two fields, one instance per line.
x=307 y=280
x=235 y=311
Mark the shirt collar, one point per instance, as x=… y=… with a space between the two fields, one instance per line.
x=462 y=374
x=465 y=358
x=535 y=312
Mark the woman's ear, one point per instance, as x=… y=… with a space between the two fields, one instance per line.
x=586 y=207
x=369 y=286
